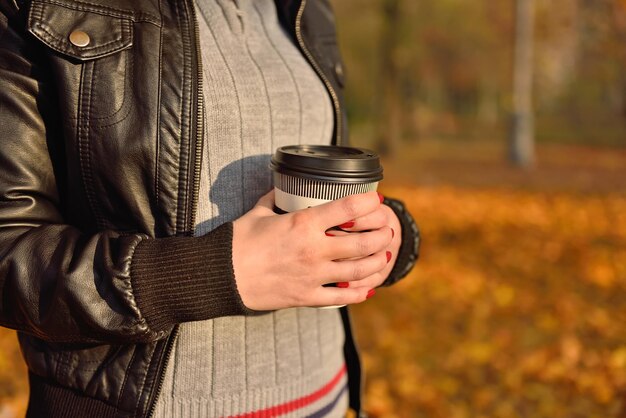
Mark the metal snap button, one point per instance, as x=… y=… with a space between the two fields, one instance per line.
x=339 y=70
x=339 y=73
x=79 y=38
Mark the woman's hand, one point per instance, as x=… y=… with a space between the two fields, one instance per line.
x=384 y=215
x=283 y=261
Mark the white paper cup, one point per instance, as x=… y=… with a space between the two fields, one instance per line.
x=309 y=175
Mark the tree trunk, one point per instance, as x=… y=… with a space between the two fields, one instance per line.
x=522 y=138
x=389 y=105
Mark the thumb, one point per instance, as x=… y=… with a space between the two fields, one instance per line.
x=266 y=202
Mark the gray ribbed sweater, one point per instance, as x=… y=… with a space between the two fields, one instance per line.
x=260 y=94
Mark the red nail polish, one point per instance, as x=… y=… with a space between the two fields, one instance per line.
x=393 y=233
x=380 y=197
x=329 y=234
x=370 y=293
x=388 y=254
x=343 y=285
x=348 y=224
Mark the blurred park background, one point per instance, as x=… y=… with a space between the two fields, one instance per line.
x=517 y=307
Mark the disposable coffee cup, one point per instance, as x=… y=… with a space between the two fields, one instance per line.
x=310 y=175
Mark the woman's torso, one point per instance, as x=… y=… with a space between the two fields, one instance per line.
x=259 y=94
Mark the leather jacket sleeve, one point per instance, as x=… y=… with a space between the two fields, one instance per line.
x=409 y=249
x=60 y=283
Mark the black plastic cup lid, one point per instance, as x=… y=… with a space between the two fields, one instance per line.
x=328 y=163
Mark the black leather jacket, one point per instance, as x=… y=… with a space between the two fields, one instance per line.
x=100 y=149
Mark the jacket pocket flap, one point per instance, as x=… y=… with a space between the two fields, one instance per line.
x=60 y=27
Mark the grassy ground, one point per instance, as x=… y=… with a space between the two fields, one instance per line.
x=516 y=308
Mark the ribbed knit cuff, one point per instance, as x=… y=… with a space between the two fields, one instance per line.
x=409 y=249
x=184 y=279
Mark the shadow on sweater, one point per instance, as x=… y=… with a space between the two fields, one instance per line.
x=235 y=191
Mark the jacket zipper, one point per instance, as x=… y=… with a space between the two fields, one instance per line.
x=338 y=137
x=199 y=122
x=164 y=361
x=320 y=73
x=193 y=202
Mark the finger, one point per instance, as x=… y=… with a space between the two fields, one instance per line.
x=340 y=233
x=373 y=220
x=336 y=233
x=333 y=296
x=370 y=282
x=354 y=270
x=266 y=202
x=358 y=245
x=344 y=210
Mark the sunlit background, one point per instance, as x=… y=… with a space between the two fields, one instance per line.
x=517 y=307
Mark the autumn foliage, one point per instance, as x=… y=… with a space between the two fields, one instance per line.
x=516 y=307
x=13 y=382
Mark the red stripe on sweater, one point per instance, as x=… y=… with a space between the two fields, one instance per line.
x=284 y=408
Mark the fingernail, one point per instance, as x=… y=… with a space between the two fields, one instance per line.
x=380 y=197
x=393 y=233
x=328 y=234
x=370 y=293
x=348 y=224
x=388 y=254
x=343 y=285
